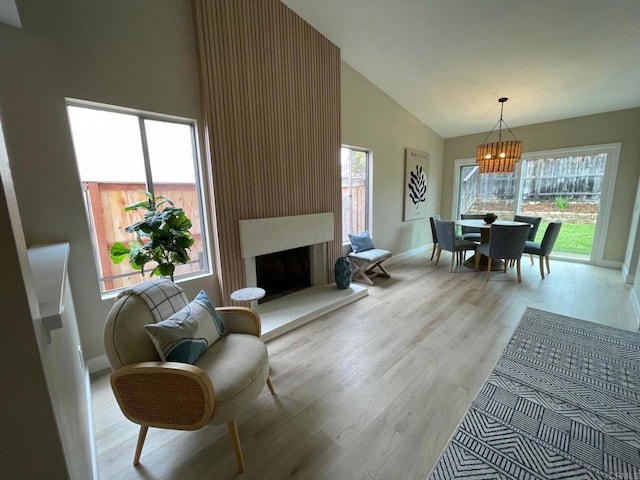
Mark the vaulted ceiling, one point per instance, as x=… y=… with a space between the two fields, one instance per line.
x=448 y=61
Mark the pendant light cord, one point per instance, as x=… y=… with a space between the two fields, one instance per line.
x=499 y=124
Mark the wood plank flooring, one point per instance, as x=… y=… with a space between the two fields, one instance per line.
x=375 y=389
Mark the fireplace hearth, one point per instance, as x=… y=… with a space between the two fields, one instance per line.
x=264 y=236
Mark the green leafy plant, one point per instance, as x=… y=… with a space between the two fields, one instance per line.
x=162 y=236
x=561 y=202
x=490 y=217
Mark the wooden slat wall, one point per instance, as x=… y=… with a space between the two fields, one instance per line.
x=271 y=102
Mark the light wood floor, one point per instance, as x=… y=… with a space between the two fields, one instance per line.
x=375 y=389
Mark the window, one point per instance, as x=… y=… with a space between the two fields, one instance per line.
x=121 y=153
x=355 y=190
x=574 y=185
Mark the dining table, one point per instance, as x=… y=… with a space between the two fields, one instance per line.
x=485 y=233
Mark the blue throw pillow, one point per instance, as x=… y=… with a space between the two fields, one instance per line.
x=361 y=242
x=186 y=334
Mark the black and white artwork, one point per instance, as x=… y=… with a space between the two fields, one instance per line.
x=416 y=165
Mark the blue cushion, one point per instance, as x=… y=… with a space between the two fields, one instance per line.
x=361 y=242
x=186 y=334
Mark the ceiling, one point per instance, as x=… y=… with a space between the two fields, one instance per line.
x=9 y=13
x=448 y=61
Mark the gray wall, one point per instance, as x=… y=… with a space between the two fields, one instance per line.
x=373 y=120
x=30 y=446
x=124 y=52
x=622 y=126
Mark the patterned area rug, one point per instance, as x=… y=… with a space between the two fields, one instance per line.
x=563 y=401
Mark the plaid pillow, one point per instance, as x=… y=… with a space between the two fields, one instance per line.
x=186 y=334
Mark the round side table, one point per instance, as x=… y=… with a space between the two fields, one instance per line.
x=249 y=294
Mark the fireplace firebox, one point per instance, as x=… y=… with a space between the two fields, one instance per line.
x=284 y=272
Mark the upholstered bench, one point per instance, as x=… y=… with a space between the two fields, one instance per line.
x=365 y=262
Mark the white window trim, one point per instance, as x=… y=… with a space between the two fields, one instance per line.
x=346 y=246
x=198 y=173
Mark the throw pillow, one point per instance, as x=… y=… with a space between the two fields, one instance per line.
x=186 y=334
x=361 y=242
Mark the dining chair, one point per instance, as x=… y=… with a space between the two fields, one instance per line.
x=533 y=231
x=434 y=234
x=471 y=233
x=533 y=221
x=446 y=232
x=545 y=247
x=506 y=242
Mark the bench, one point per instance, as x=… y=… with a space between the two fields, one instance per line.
x=365 y=262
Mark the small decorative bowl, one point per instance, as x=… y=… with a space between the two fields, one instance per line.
x=490 y=218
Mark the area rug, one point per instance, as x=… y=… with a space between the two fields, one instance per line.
x=562 y=402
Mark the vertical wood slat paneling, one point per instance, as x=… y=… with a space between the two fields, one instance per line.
x=271 y=107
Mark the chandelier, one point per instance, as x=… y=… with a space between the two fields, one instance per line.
x=500 y=156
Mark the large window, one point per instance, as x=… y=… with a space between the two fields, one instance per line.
x=574 y=185
x=355 y=190
x=122 y=153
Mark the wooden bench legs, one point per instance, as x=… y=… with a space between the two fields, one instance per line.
x=365 y=270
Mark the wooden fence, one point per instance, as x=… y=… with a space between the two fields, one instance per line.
x=105 y=204
x=354 y=217
x=577 y=178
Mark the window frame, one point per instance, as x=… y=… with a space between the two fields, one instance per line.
x=200 y=189
x=368 y=193
x=606 y=200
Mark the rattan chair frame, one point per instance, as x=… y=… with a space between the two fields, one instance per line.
x=178 y=396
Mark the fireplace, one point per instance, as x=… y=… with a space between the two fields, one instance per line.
x=263 y=237
x=284 y=272
x=310 y=234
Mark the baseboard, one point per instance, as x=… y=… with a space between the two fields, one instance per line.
x=626 y=276
x=610 y=264
x=92 y=444
x=636 y=306
x=97 y=364
x=409 y=253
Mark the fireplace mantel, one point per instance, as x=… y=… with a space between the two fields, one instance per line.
x=267 y=235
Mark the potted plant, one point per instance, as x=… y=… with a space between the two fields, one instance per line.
x=490 y=217
x=162 y=236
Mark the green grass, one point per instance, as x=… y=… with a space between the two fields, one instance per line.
x=573 y=237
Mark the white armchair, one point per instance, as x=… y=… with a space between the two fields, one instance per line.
x=222 y=382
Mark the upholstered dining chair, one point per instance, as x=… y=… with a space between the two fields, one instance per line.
x=506 y=242
x=446 y=231
x=434 y=234
x=545 y=247
x=152 y=323
x=533 y=231
x=471 y=233
x=533 y=221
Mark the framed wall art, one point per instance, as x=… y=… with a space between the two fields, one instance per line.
x=416 y=168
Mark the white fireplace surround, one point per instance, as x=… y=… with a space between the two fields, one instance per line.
x=268 y=235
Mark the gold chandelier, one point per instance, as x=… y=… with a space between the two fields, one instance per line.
x=500 y=156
